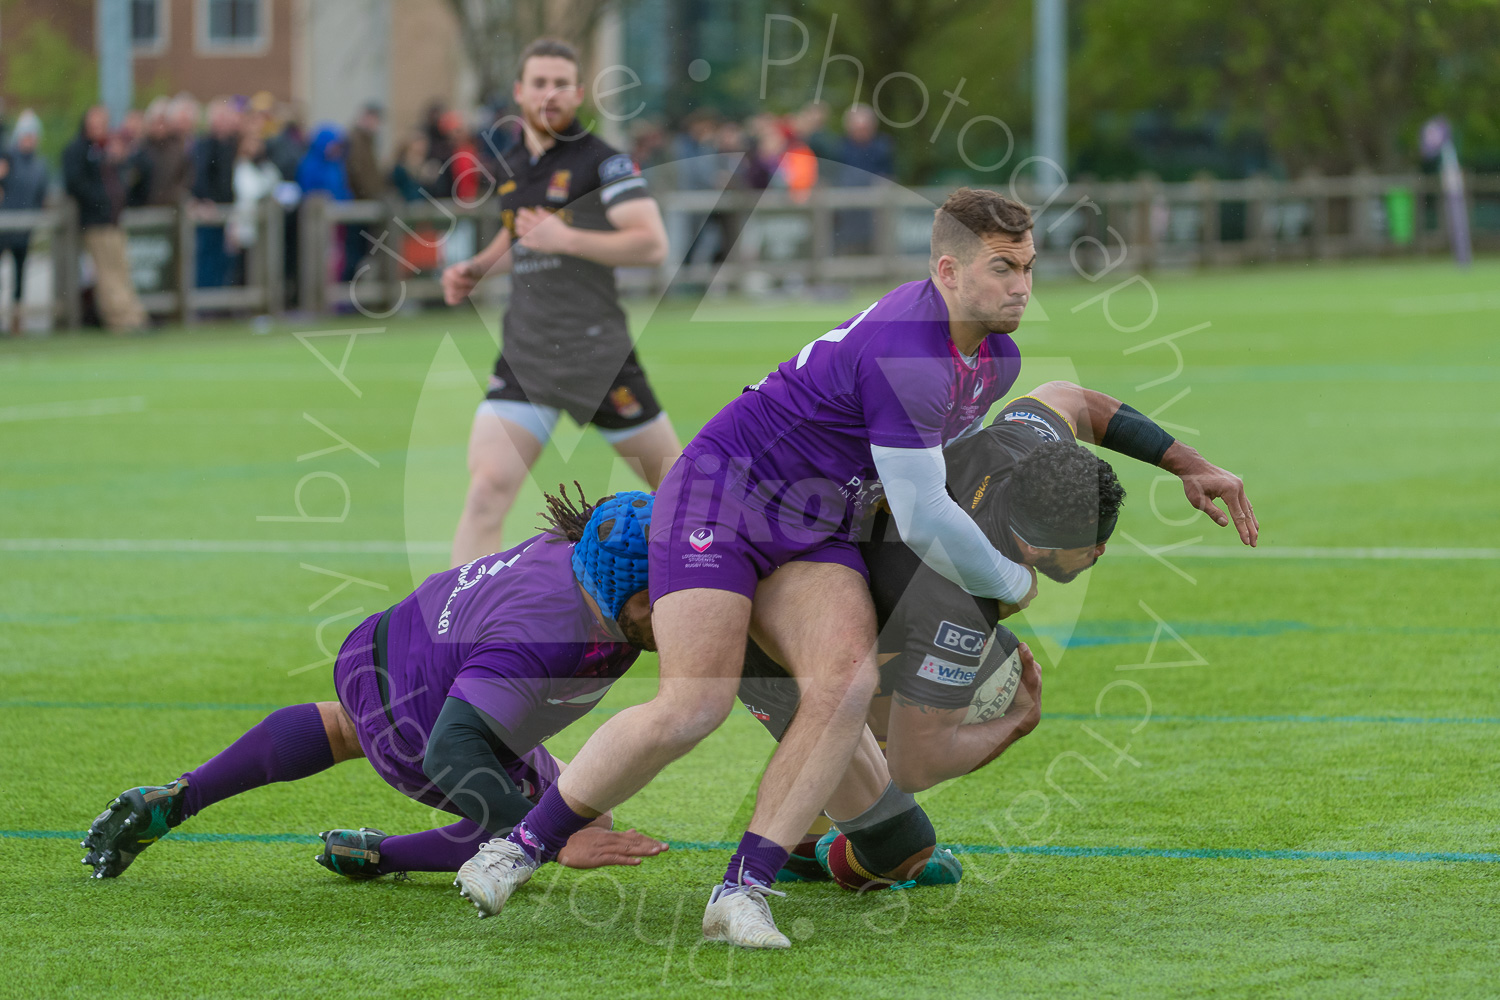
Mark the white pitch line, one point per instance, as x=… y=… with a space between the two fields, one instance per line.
x=75 y=408
x=1316 y=552
x=1460 y=302
x=205 y=545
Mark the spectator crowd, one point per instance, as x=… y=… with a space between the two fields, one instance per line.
x=226 y=160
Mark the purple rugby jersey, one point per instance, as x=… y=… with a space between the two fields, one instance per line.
x=889 y=376
x=511 y=635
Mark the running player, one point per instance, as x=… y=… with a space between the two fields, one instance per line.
x=759 y=514
x=573 y=209
x=449 y=694
x=1047 y=503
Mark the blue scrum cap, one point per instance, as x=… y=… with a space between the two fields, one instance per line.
x=610 y=559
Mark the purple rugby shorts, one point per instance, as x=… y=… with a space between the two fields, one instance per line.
x=395 y=748
x=714 y=528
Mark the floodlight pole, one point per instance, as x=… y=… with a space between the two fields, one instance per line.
x=1050 y=93
x=112 y=42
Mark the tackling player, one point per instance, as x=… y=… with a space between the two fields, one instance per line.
x=1047 y=503
x=449 y=694
x=758 y=517
x=573 y=209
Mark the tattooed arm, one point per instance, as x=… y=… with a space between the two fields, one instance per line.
x=926 y=745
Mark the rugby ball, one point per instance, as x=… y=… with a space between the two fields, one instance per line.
x=998 y=691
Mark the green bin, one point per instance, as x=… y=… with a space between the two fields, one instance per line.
x=1400 y=216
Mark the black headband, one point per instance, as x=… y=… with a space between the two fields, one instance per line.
x=1083 y=533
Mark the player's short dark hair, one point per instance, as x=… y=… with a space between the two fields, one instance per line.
x=1062 y=485
x=970 y=214
x=565 y=517
x=554 y=47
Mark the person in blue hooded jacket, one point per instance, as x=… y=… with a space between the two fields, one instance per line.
x=322 y=168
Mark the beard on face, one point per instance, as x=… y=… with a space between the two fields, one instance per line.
x=1050 y=567
x=540 y=123
x=995 y=322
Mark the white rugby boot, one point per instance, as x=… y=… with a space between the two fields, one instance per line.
x=739 y=914
x=489 y=877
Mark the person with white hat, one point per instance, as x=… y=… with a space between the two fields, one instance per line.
x=23 y=188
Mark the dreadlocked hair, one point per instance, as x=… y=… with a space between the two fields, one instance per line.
x=565 y=518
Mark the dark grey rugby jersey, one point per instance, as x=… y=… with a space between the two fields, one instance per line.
x=565 y=335
x=979 y=463
x=937 y=630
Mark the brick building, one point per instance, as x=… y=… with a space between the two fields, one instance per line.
x=325 y=56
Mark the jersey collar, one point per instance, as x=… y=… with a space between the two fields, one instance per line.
x=564 y=136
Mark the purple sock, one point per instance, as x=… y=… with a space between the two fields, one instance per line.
x=443 y=850
x=288 y=744
x=546 y=829
x=758 y=859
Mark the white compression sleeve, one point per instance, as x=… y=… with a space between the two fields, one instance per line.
x=938 y=530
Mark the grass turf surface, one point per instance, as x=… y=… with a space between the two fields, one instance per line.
x=1257 y=839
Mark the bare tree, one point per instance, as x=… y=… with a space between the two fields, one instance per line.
x=495 y=31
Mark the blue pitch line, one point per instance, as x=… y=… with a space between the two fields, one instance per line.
x=64 y=618
x=1040 y=850
x=195 y=838
x=215 y=706
x=1477 y=720
x=1135 y=633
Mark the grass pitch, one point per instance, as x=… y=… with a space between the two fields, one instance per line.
x=1256 y=774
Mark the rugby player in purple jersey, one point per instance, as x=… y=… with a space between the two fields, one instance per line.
x=1047 y=503
x=754 y=534
x=449 y=694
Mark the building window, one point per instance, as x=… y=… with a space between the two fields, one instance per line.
x=234 y=26
x=148 y=26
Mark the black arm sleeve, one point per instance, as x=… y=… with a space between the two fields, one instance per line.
x=465 y=758
x=1135 y=435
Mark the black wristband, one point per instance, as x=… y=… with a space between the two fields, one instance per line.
x=1135 y=435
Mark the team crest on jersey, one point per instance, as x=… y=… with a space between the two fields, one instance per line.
x=625 y=403
x=618 y=167
x=701 y=539
x=557 y=188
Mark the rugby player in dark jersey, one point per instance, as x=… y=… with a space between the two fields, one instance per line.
x=1045 y=502
x=573 y=208
x=449 y=695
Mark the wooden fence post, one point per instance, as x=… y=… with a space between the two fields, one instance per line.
x=66 y=290
x=886 y=223
x=187 y=263
x=312 y=266
x=1211 y=210
x=1312 y=185
x=1260 y=234
x=273 y=256
x=822 y=238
